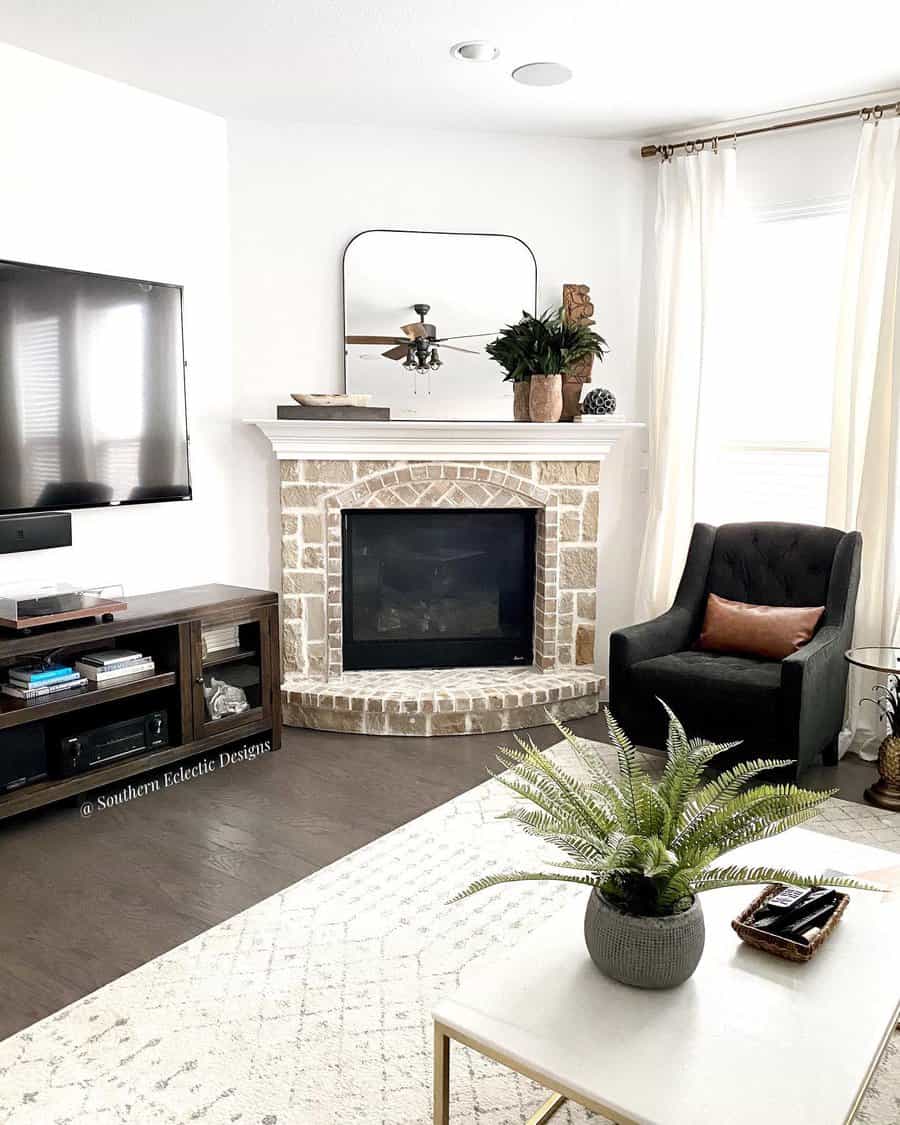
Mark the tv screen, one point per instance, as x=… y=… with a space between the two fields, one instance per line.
x=92 y=391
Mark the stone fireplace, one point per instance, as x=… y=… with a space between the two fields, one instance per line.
x=363 y=571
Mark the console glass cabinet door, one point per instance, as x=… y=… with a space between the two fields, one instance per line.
x=231 y=672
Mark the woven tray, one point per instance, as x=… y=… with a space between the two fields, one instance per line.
x=781 y=946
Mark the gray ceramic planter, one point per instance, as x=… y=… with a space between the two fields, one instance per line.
x=643 y=952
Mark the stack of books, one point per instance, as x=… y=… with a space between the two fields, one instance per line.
x=220 y=638
x=114 y=664
x=34 y=681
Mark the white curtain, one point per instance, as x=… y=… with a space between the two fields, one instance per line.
x=694 y=211
x=864 y=468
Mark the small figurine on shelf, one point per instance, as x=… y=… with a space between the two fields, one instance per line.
x=223 y=699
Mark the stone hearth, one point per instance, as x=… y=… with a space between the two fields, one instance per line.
x=324 y=470
x=441 y=701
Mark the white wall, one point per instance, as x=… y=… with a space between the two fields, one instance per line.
x=103 y=177
x=299 y=193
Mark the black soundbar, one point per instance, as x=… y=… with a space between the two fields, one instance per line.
x=36 y=531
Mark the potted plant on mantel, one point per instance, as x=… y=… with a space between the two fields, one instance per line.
x=535 y=353
x=647 y=851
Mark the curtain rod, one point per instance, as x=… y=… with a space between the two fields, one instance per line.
x=874 y=113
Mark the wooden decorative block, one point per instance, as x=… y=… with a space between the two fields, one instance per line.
x=580 y=310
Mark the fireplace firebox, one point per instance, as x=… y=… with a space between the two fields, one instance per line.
x=435 y=588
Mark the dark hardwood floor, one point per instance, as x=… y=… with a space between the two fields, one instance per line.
x=88 y=898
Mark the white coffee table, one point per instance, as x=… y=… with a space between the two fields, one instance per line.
x=749 y=1040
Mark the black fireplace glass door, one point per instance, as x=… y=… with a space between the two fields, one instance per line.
x=436 y=588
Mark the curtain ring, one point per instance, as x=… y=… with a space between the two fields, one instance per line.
x=865 y=113
x=715 y=145
x=701 y=145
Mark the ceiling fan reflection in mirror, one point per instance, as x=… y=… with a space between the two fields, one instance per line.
x=418 y=346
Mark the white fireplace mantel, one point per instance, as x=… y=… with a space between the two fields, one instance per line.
x=301 y=440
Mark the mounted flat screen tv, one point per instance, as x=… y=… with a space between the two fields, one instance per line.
x=92 y=390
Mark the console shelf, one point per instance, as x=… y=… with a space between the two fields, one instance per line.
x=59 y=789
x=14 y=713
x=169 y=626
x=228 y=656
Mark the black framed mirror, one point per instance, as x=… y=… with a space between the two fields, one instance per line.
x=419 y=308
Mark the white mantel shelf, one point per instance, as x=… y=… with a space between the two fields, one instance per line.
x=302 y=440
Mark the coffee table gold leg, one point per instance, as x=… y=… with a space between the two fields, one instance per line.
x=547 y=1110
x=441 y=1076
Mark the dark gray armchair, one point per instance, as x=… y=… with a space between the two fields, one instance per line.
x=791 y=708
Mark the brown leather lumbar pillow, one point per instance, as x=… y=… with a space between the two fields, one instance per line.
x=772 y=631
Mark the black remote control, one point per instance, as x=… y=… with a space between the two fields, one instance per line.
x=775 y=922
x=817 y=916
x=786 y=897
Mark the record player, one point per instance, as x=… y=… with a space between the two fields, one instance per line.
x=25 y=606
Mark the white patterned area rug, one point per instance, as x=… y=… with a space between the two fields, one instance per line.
x=313 y=1007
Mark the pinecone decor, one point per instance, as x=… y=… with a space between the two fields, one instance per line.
x=599 y=401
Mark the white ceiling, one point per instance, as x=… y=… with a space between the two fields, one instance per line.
x=639 y=66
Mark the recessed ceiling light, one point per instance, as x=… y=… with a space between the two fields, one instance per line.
x=475 y=50
x=542 y=74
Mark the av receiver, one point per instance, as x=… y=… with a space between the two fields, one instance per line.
x=101 y=745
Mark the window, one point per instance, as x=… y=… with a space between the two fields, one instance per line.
x=765 y=420
x=40 y=407
x=114 y=358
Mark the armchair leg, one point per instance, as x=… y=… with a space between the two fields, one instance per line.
x=830 y=753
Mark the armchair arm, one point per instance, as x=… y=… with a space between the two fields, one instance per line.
x=669 y=633
x=813 y=690
x=827 y=643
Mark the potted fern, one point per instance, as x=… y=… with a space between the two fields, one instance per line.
x=536 y=352
x=648 y=851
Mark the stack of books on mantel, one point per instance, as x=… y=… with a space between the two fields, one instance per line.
x=114 y=664
x=39 y=680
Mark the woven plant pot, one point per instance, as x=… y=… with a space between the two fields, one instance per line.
x=643 y=952
x=520 y=400
x=545 y=399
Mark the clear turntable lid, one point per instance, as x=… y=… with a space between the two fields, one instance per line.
x=21 y=600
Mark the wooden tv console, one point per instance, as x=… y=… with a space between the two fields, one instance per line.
x=168 y=626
